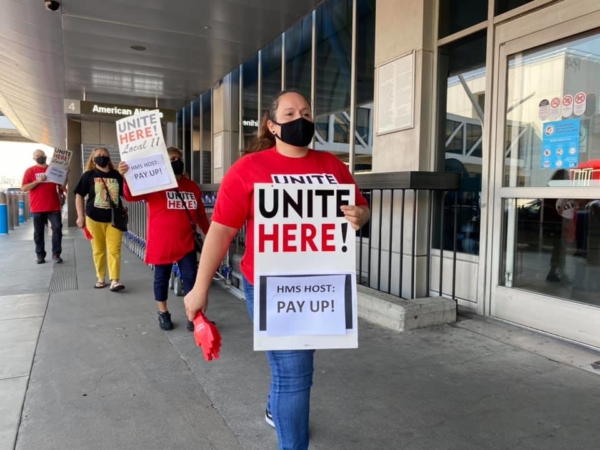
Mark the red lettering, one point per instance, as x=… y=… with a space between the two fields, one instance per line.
x=148 y=132
x=173 y=204
x=139 y=134
x=131 y=136
x=289 y=237
x=264 y=237
x=308 y=233
x=327 y=236
x=123 y=139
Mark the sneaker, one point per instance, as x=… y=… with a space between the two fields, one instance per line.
x=164 y=320
x=190 y=326
x=40 y=260
x=269 y=418
x=57 y=259
x=554 y=276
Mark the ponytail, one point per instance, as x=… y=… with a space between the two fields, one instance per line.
x=263 y=140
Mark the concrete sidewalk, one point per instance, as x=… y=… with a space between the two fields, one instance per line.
x=106 y=377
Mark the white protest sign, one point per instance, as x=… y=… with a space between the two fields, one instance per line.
x=59 y=166
x=305 y=265
x=142 y=146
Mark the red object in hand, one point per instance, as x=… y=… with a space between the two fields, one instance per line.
x=87 y=233
x=207 y=336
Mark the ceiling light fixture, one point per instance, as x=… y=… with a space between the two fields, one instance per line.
x=138 y=48
x=207 y=27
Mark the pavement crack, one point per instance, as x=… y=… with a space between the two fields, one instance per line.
x=100 y=380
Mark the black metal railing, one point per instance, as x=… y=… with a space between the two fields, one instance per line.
x=387 y=194
x=383 y=191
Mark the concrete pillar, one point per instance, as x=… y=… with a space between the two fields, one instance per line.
x=225 y=126
x=402 y=27
x=73 y=144
x=171 y=134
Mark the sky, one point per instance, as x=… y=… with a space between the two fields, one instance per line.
x=16 y=157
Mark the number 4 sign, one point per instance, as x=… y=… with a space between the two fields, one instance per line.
x=580 y=103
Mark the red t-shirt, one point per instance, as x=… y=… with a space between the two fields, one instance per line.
x=235 y=200
x=44 y=197
x=170 y=235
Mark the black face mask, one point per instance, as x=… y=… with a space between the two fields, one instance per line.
x=102 y=161
x=40 y=160
x=178 y=166
x=298 y=132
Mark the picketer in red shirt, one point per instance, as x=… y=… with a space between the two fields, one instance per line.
x=45 y=197
x=170 y=235
x=235 y=200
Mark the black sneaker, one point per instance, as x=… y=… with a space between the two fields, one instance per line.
x=40 y=260
x=190 y=326
x=164 y=320
x=57 y=259
x=555 y=276
x=269 y=418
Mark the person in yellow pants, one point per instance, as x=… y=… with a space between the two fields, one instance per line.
x=99 y=187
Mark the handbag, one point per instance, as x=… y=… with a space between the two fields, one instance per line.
x=198 y=241
x=119 y=216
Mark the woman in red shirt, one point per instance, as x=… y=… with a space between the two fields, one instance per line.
x=170 y=237
x=281 y=148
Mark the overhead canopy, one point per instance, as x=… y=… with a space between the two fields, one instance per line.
x=85 y=49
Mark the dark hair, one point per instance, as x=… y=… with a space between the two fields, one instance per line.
x=264 y=139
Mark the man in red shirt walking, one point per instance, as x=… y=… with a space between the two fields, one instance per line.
x=45 y=206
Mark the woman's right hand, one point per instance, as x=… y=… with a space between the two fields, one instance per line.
x=81 y=222
x=195 y=301
x=123 y=167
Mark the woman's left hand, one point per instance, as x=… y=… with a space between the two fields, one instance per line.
x=356 y=215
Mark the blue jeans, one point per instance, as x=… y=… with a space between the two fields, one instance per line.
x=162 y=274
x=289 y=397
x=39 y=230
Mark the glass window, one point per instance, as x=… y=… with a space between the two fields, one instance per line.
x=206 y=99
x=365 y=85
x=298 y=52
x=194 y=169
x=458 y=15
x=552 y=119
x=462 y=98
x=334 y=56
x=250 y=120
x=552 y=247
x=271 y=72
x=503 y=6
x=187 y=136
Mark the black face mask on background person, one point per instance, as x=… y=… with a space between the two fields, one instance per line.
x=178 y=166
x=102 y=161
x=298 y=132
x=40 y=160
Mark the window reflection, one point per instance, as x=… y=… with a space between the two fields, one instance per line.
x=334 y=55
x=250 y=98
x=207 y=137
x=460 y=142
x=552 y=246
x=552 y=120
x=271 y=72
x=194 y=168
x=298 y=53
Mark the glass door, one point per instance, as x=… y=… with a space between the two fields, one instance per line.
x=546 y=237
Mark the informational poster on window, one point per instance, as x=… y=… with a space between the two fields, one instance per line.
x=305 y=268
x=142 y=146
x=395 y=95
x=58 y=169
x=560 y=144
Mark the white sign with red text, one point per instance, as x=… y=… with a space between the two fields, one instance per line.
x=142 y=146
x=58 y=168
x=305 y=266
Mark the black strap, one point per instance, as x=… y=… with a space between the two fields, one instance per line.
x=192 y=223
x=112 y=205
